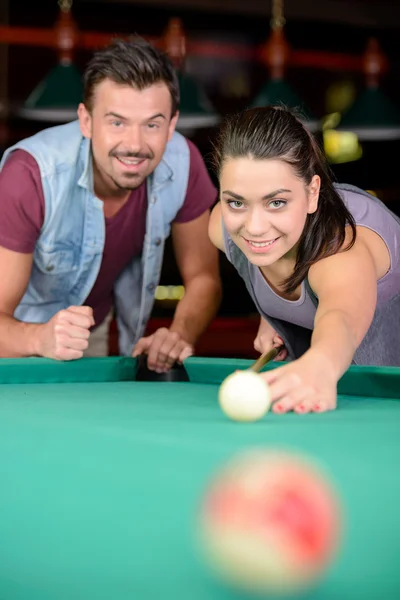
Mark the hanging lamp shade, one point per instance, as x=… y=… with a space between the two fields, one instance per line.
x=195 y=109
x=277 y=91
x=280 y=92
x=373 y=116
x=56 y=97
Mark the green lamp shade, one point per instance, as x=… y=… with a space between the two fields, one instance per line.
x=195 y=110
x=56 y=97
x=372 y=117
x=279 y=92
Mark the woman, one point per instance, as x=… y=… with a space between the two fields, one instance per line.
x=321 y=261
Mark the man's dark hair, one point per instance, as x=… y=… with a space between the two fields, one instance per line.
x=134 y=62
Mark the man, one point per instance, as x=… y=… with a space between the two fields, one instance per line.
x=85 y=208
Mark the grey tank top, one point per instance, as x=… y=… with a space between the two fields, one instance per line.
x=294 y=320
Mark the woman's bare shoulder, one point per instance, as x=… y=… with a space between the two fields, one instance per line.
x=215 y=231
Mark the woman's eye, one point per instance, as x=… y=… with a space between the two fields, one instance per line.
x=235 y=204
x=277 y=203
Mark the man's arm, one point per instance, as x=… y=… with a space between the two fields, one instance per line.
x=64 y=337
x=17 y=339
x=197 y=260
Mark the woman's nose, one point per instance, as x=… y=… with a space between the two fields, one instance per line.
x=256 y=225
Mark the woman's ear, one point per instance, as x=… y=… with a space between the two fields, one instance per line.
x=313 y=193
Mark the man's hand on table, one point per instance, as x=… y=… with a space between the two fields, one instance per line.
x=163 y=349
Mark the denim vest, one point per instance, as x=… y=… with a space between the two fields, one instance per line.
x=69 y=250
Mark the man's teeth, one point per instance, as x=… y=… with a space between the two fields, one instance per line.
x=261 y=244
x=131 y=161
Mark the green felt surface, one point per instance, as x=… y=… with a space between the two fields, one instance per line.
x=100 y=480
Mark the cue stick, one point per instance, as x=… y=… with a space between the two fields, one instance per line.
x=264 y=359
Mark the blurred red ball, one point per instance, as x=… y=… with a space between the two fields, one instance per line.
x=270 y=522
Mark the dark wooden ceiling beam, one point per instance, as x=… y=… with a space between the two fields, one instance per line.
x=362 y=13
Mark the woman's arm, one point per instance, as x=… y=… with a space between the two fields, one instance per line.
x=346 y=287
x=267 y=338
x=215 y=232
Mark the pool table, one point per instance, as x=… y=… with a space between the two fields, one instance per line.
x=101 y=477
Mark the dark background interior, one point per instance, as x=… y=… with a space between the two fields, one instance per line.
x=326 y=25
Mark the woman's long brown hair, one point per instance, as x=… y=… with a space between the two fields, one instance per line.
x=275 y=132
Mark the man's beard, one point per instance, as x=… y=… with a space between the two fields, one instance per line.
x=133 y=176
x=132 y=181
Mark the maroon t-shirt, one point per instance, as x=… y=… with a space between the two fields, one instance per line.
x=22 y=215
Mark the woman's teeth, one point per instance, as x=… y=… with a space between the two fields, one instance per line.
x=261 y=244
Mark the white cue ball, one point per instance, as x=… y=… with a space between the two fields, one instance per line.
x=244 y=396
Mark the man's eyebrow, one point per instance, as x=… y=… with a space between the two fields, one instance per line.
x=116 y=115
x=122 y=118
x=157 y=116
